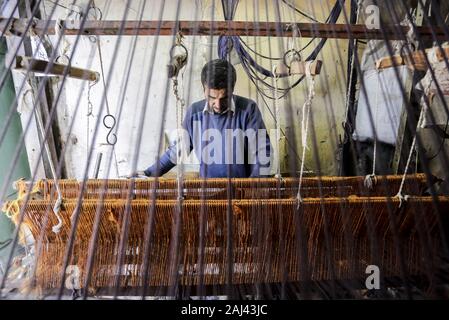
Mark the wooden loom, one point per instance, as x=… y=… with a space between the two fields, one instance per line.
x=361 y=229
x=240 y=232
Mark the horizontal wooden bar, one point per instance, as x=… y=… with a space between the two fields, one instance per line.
x=299 y=68
x=216 y=28
x=415 y=61
x=40 y=66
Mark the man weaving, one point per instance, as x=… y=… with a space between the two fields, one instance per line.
x=226 y=131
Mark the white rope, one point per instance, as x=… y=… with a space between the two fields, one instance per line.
x=305 y=123
x=370 y=179
x=412 y=148
x=278 y=123
x=306 y=106
x=296 y=53
x=89 y=111
x=296 y=33
x=399 y=195
x=56 y=228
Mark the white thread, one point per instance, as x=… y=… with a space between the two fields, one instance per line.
x=399 y=194
x=278 y=120
x=89 y=111
x=305 y=123
x=307 y=103
x=296 y=33
x=370 y=179
x=56 y=228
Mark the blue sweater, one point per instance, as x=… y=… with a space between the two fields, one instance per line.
x=234 y=144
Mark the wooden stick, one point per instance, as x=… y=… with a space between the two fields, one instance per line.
x=416 y=60
x=217 y=28
x=299 y=67
x=35 y=65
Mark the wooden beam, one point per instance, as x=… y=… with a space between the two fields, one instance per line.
x=415 y=61
x=299 y=68
x=40 y=66
x=217 y=28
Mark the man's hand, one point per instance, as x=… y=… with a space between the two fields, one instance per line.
x=136 y=174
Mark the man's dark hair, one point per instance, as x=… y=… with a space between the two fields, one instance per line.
x=218 y=74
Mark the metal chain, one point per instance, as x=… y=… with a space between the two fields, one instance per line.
x=179 y=99
x=180 y=104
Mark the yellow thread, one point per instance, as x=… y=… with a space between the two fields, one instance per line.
x=12 y=208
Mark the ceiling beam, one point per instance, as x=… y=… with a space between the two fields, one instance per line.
x=216 y=28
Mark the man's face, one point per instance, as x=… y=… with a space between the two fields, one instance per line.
x=218 y=99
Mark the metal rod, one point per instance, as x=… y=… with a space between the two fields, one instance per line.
x=97 y=165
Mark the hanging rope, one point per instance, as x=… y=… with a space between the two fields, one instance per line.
x=56 y=228
x=293 y=52
x=412 y=148
x=58 y=203
x=277 y=123
x=276 y=76
x=180 y=103
x=178 y=61
x=411 y=43
x=90 y=107
x=370 y=179
x=305 y=124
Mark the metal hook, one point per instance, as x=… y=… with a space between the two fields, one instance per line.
x=179 y=45
x=296 y=57
x=178 y=60
x=111 y=129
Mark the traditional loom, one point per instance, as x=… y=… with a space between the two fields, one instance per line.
x=332 y=236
